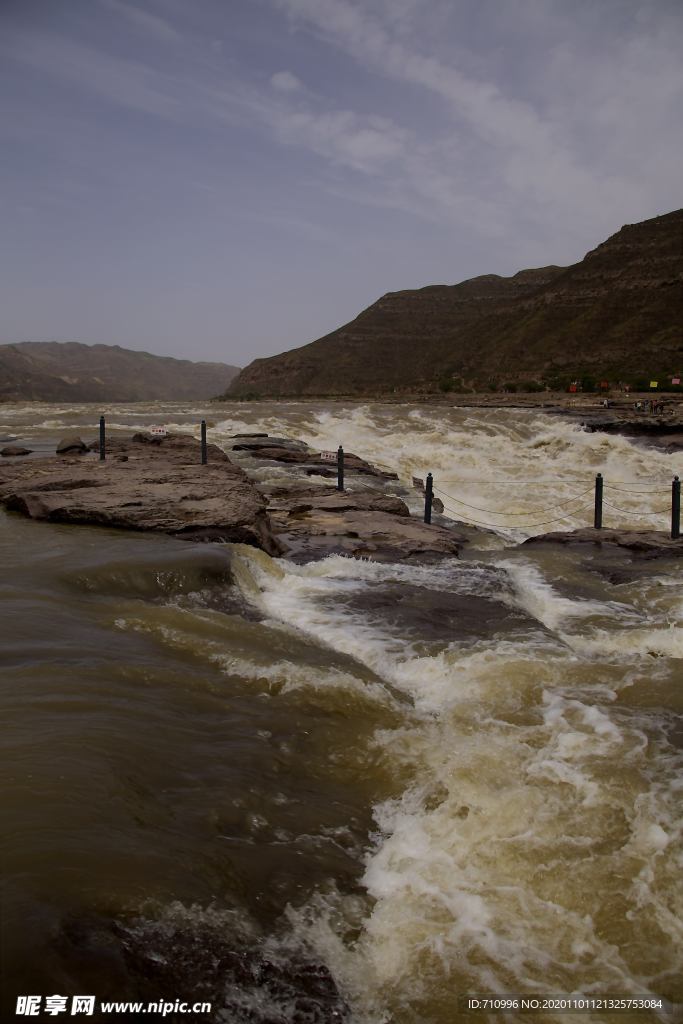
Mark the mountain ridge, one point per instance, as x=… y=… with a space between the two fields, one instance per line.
x=70 y=371
x=615 y=313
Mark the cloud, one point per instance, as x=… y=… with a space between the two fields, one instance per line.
x=558 y=134
x=285 y=81
x=151 y=24
x=120 y=80
x=566 y=133
x=364 y=143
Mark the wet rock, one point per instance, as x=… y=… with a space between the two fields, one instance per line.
x=290 y=450
x=160 y=960
x=440 y=615
x=645 y=543
x=12 y=450
x=144 y=437
x=316 y=521
x=298 y=499
x=276 y=454
x=311 y=534
x=71 y=444
x=242 y=980
x=162 y=488
x=262 y=442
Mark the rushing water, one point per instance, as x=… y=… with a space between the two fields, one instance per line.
x=228 y=774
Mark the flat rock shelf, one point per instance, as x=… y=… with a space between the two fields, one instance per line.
x=159 y=484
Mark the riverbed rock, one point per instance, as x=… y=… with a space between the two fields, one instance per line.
x=13 y=450
x=415 y=611
x=290 y=450
x=644 y=543
x=261 y=442
x=314 y=522
x=163 y=488
x=71 y=444
x=287 y=502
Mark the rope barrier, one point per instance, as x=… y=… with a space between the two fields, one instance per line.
x=639 y=512
x=526 y=526
x=553 y=481
x=530 y=512
x=630 y=490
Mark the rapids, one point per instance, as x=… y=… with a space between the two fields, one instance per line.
x=348 y=791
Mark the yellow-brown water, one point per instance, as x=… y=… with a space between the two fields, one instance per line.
x=200 y=741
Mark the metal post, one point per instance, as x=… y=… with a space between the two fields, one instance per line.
x=102 y=454
x=675 y=508
x=429 y=494
x=203 y=442
x=597 y=518
x=340 y=468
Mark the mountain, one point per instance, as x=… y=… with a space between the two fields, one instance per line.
x=617 y=314
x=54 y=371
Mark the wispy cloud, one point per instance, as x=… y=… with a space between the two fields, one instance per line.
x=539 y=148
x=562 y=149
x=125 y=82
x=151 y=24
x=285 y=81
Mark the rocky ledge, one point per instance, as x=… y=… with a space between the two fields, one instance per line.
x=314 y=521
x=642 y=543
x=159 y=484
x=143 y=485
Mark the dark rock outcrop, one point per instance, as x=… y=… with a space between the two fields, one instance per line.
x=13 y=449
x=71 y=444
x=643 y=543
x=311 y=461
x=440 y=615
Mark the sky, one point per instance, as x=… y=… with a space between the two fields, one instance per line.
x=229 y=179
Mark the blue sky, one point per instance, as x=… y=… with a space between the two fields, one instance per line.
x=227 y=179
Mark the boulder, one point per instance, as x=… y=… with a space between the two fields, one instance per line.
x=11 y=450
x=72 y=445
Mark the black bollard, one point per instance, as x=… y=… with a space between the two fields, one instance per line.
x=203 y=442
x=429 y=497
x=675 y=508
x=102 y=454
x=340 y=468
x=597 y=517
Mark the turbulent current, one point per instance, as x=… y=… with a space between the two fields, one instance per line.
x=349 y=791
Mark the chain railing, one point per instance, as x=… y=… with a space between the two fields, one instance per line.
x=502 y=518
x=430 y=501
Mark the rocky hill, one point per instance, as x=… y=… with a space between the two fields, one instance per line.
x=68 y=371
x=617 y=315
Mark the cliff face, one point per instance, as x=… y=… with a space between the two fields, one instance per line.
x=616 y=313
x=71 y=372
